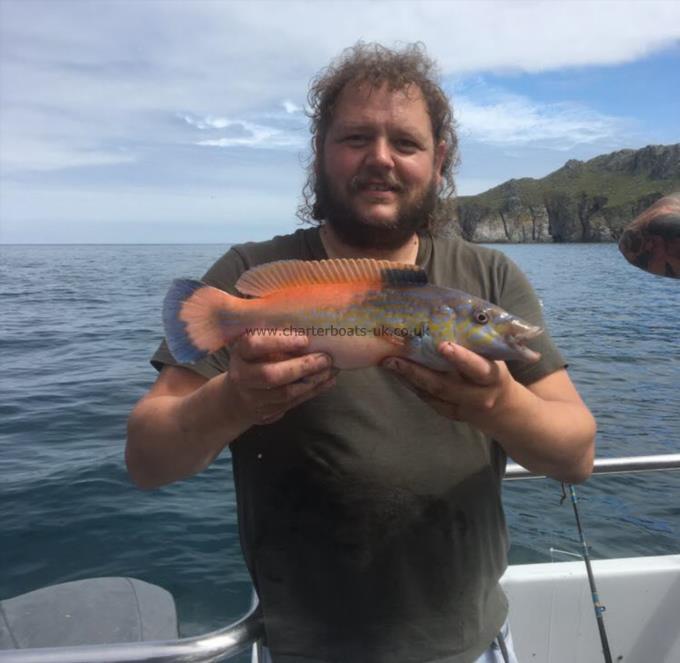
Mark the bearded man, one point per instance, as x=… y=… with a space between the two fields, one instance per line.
x=369 y=501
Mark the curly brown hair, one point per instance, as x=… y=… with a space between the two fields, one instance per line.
x=377 y=64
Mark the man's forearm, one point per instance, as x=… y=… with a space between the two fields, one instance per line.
x=171 y=437
x=550 y=437
x=184 y=422
x=545 y=427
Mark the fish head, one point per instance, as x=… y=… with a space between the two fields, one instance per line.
x=492 y=332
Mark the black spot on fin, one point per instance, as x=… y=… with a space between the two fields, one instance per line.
x=401 y=278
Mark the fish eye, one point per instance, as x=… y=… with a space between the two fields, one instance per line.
x=481 y=318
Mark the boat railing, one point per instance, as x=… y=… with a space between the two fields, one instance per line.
x=247 y=632
x=619 y=465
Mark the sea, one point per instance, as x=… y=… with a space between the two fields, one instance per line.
x=78 y=324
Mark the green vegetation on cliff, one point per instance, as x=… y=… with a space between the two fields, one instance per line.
x=582 y=201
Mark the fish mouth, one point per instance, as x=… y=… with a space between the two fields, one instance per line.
x=521 y=332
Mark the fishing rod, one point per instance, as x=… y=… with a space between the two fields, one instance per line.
x=599 y=608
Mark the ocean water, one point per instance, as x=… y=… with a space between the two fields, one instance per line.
x=79 y=322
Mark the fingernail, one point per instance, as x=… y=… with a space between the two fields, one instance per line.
x=323 y=361
x=392 y=364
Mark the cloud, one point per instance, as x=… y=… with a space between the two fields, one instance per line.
x=108 y=77
x=256 y=137
x=226 y=57
x=244 y=133
x=291 y=107
x=177 y=94
x=513 y=120
x=207 y=122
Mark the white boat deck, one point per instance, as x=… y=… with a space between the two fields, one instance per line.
x=553 y=619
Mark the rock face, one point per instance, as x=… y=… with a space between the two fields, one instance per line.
x=589 y=201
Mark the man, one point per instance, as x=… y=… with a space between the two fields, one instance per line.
x=369 y=501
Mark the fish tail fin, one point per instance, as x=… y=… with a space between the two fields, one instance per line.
x=199 y=319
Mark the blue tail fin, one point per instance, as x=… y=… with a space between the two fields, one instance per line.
x=200 y=319
x=176 y=334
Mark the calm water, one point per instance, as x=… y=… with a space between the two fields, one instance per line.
x=78 y=324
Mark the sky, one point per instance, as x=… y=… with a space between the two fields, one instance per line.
x=158 y=121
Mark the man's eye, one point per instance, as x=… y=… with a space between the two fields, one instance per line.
x=356 y=138
x=407 y=145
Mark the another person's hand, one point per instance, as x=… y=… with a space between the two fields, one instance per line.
x=269 y=375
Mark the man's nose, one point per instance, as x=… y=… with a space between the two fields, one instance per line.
x=380 y=154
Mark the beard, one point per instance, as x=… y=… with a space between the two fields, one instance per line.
x=360 y=232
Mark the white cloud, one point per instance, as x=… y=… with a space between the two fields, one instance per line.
x=159 y=83
x=262 y=137
x=207 y=122
x=135 y=56
x=291 y=107
x=512 y=120
x=244 y=133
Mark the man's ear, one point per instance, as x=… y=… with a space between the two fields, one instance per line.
x=439 y=157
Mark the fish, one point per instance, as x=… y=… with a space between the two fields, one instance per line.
x=652 y=240
x=359 y=311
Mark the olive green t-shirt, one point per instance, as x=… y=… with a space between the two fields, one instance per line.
x=372 y=526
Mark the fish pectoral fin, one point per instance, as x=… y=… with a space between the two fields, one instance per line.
x=395 y=339
x=422 y=347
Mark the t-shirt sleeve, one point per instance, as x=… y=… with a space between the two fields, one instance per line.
x=223 y=274
x=518 y=297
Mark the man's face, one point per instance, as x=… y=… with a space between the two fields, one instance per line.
x=380 y=169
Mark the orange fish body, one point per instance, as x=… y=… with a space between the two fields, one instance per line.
x=357 y=311
x=652 y=240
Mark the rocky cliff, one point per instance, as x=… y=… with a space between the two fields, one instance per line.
x=584 y=201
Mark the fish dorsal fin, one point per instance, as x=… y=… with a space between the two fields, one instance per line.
x=276 y=276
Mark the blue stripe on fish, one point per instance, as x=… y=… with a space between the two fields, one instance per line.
x=181 y=347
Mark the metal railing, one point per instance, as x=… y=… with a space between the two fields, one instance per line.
x=623 y=465
x=224 y=643
x=219 y=645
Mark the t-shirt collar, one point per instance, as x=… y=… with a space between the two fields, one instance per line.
x=318 y=252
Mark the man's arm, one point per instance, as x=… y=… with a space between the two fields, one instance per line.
x=545 y=427
x=548 y=429
x=185 y=420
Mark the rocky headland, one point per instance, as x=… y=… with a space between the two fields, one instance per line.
x=584 y=201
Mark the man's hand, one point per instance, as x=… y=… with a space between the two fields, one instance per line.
x=471 y=391
x=545 y=426
x=269 y=375
x=185 y=420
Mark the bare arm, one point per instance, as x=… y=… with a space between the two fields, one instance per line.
x=185 y=420
x=545 y=427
